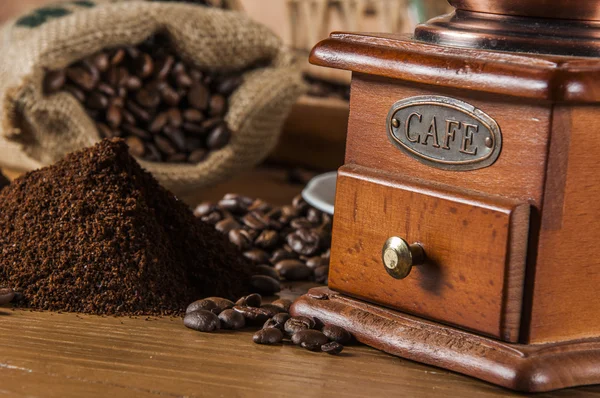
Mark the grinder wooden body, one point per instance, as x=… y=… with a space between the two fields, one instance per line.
x=488 y=160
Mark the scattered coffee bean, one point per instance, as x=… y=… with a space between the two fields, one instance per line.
x=204 y=304
x=202 y=321
x=6 y=295
x=310 y=339
x=336 y=333
x=150 y=88
x=254 y=315
x=221 y=303
x=298 y=323
x=257 y=256
x=267 y=270
x=232 y=319
x=332 y=348
x=284 y=304
x=252 y=300
x=293 y=270
x=273 y=309
x=278 y=321
x=265 y=284
x=268 y=336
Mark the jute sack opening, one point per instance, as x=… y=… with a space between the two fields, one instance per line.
x=37 y=130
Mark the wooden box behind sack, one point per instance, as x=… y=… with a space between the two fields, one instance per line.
x=466 y=214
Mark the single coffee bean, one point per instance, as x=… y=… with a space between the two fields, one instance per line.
x=268 y=336
x=301 y=222
x=197 y=155
x=251 y=300
x=240 y=239
x=265 y=284
x=221 y=303
x=314 y=262
x=282 y=303
x=136 y=146
x=293 y=270
x=82 y=78
x=267 y=239
x=228 y=86
x=97 y=101
x=332 y=348
x=254 y=315
x=202 y=321
x=198 y=96
x=336 y=333
x=114 y=116
x=212 y=218
x=204 y=209
x=278 y=321
x=310 y=339
x=54 y=81
x=6 y=295
x=267 y=270
x=257 y=256
x=304 y=241
x=255 y=221
x=164 y=145
x=297 y=323
x=203 y=304
x=273 y=309
x=281 y=254
x=231 y=319
x=226 y=225
x=218 y=105
x=134 y=131
x=193 y=115
x=219 y=137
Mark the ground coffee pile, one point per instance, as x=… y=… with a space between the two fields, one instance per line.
x=97 y=234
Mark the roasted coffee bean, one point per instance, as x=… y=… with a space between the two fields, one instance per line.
x=218 y=105
x=257 y=256
x=336 y=333
x=221 y=303
x=310 y=339
x=254 y=315
x=228 y=86
x=332 y=348
x=82 y=78
x=6 y=295
x=219 y=137
x=267 y=239
x=231 y=319
x=255 y=221
x=226 y=225
x=54 y=81
x=240 y=238
x=314 y=262
x=282 y=303
x=204 y=208
x=298 y=223
x=251 y=300
x=212 y=218
x=193 y=115
x=136 y=146
x=282 y=254
x=202 y=321
x=265 y=284
x=277 y=321
x=267 y=270
x=197 y=155
x=164 y=145
x=198 y=96
x=114 y=116
x=297 y=323
x=268 y=336
x=293 y=270
x=204 y=304
x=304 y=241
x=273 y=309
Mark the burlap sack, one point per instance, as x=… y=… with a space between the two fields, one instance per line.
x=37 y=130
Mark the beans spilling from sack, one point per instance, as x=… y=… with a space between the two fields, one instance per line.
x=164 y=108
x=290 y=242
x=277 y=325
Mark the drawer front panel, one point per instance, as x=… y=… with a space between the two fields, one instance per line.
x=475 y=250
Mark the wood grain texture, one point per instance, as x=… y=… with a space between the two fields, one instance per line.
x=518 y=173
x=531 y=368
x=475 y=247
x=396 y=56
x=565 y=304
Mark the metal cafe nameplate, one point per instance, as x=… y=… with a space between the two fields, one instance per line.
x=444 y=132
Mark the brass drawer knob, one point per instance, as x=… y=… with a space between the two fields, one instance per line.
x=399 y=257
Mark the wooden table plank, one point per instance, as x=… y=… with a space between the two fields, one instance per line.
x=51 y=354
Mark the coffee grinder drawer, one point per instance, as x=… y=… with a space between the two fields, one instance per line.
x=453 y=256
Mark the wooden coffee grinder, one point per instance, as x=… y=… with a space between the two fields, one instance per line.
x=467 y=211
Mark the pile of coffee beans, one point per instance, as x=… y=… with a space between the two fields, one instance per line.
x=290 y=242
x=214 y=313
x=95 y=233
x=166 y=109
x=323 y=88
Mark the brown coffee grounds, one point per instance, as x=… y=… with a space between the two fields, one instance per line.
x=96 y=234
